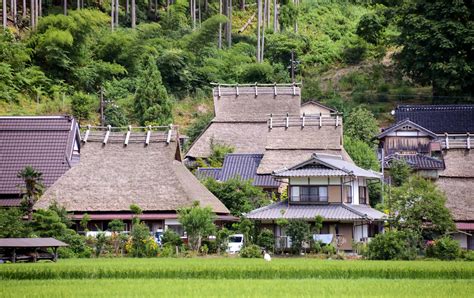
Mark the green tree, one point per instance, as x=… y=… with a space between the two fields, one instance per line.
x=198 y=223
x=299 y=233
x=418 y=206
x=362 y=154
x=218 y=153
x=361 y=125
x=198 y=125
x=238 y=196
x=400 y=171
x=436 y=44
x=32 y=190
x=152 y=105
x=12 y=224
x=371 y=26
x=82 y=105
x=86 y=218
x=266 y=239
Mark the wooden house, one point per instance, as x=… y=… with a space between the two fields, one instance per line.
x=325 y=185
x=435 y=140
x=50 y=144
x=120 y=167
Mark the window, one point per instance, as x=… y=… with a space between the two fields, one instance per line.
x=309 y=193
x=362 y=195
x=348 y=194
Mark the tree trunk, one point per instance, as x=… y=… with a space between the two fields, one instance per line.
x=127 y=7
x=249 y=21
x=117 y=7
x=296 y=19
x=24 y=9
x=275 y=16
x=229 y=30
x=262 y=48
x=40 y=8
x=32 y=13
x=242 y=4
x=219 y=41
x=36 y=12
x=199 y=12
x=259 y=25
x=65 y=7
x=78 y=4
x=134 y=17
x=4 y=13
x=112 y=15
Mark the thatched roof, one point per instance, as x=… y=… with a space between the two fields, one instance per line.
x=244 y=137
x=241 y=114
x=255 y=103
x=112 y=176
x=458 y=163
x=289 y=146
x=460 y=198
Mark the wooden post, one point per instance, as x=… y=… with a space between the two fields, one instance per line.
x=14 y=249
x=55 y=254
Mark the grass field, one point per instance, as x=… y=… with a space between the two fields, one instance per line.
x=236 y=277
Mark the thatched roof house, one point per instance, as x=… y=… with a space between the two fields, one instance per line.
x=457 y=182
x=120 y=168
x=50 y=144
x=293 y=139
x=241 y=113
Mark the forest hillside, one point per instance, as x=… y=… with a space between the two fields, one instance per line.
x=153 y=61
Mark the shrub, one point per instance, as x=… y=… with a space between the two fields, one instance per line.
x=172 y=238
x=469 y=255
x=391 y=245
x=329 y=249
x=315 y=247
x=266 y=239
x=444 y=248
x=136 y=246
x=251 y=251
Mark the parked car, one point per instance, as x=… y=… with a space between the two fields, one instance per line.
x=236 y=242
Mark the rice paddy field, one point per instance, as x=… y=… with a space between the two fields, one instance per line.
x=234 y=277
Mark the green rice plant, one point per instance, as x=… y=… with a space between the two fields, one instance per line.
x=235 y=268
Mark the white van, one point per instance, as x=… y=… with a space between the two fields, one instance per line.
x=236 y=242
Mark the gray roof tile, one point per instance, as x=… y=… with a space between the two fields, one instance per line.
x=328 y=212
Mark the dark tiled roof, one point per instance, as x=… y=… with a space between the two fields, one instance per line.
x=245 y=166
x=329 y=212
x=203 y=173
x=45 y=143
x=439 y=118
x=241 y=166
x=416 y=161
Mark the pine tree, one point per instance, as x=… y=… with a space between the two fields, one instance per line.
x=152 y=105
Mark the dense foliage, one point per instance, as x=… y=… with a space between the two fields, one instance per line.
x=237 y=195
x=198 y=222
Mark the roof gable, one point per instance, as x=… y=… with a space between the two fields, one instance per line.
x=406 y=125
x=327 y=164
x=315 y=103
